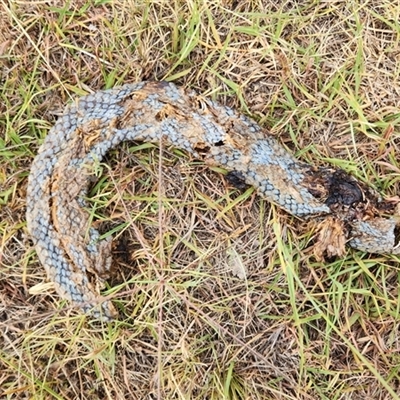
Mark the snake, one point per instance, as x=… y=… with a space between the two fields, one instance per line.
x=58 y=220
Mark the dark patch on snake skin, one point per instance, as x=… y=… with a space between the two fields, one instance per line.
x=343 y=189
x=397 y=235
x=236 y=179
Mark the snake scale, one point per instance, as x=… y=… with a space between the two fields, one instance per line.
x=71 y=251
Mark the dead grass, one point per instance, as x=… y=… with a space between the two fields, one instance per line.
x=218 y=293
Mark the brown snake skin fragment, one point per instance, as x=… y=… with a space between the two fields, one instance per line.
x=70 y=250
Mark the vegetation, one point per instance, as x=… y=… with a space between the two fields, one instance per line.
x=219 y=293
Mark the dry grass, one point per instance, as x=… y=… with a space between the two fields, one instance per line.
x=219 y=295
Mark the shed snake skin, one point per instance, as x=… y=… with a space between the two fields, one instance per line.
x=71 y=251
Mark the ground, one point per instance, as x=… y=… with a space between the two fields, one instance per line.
x=219 y=293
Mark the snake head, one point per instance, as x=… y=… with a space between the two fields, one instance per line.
x=378 y=235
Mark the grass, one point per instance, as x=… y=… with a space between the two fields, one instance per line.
x=219 y=294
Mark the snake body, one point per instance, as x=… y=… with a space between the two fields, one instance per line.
x=71 y=251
